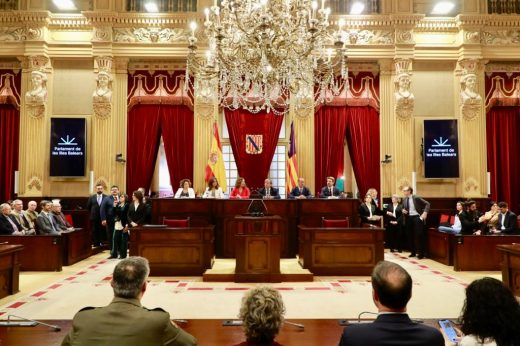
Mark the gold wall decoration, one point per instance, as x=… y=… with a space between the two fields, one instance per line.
x=150 y=35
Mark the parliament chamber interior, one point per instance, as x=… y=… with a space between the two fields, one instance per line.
x=296 y=149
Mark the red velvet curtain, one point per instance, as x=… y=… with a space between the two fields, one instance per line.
x=177 y=131
x=359 y=126
x=142 y=145
x=503 y=143
x=253 y=167
x=9 y=138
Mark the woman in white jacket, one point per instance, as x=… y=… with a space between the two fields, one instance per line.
x=213 y=190
x=185 y=190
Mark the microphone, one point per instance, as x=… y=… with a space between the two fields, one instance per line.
x=56 y=328
x=297 y=325
x=363 y=313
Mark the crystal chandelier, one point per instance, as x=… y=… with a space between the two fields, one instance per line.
x=266 y=54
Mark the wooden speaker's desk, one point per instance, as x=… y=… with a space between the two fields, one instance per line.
x=479 y=252
x=257 y=247
x=9 y=269
x=511 y=266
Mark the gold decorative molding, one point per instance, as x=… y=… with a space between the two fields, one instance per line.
x=404 y=37
x=150 y=35
x=35 y=183
x=501 y=37
x=471 y=185
x=367 y=37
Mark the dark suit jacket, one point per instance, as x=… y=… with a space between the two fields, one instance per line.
x=391 y=329
x=469 y=222
x=5 y=226
x=325 y=192
x=364 y=214
x=106 y=210
x=44 y=224
x=138 y=216
x=274 y=192
x=509 y=223
x=421 y=205
x=398 y=214
x=93 y=207
x=60 y=222
x=296 y=192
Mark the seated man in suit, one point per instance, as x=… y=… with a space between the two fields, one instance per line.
x=31 y=212
x=330 y=191
x=268 y=191
x=59 y=218
x=470 y=219
x=391 y=291
x=8 y=223
x=45 y=221
x=506 y=220
x=22 y=218
x=301 y=191
x=125 y=321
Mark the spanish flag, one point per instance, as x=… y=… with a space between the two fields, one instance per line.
x=215 y=167
x=292 y=164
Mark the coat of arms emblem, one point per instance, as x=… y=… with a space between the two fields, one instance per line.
x=254 y=144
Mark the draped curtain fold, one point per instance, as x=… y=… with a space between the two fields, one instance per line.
x=359 y=127
x=9 y=138
x=503 y=141
x=177 y=131
x=253 y=167
x=146 y=123
x=144 y=135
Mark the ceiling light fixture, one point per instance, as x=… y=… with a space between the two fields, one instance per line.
x=357 y=8
x=443 y=8
x=64 y=5
x=151 y=7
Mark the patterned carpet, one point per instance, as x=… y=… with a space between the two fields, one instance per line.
x=435 y=294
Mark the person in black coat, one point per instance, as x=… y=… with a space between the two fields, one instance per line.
x=268 y=191
x=8 y=223
x=368 y=212
x=330 y=191
x=301 y=191
x=470 y=219
x=120 y=240
x=391 y=291
x=394 y=226
x=94 y=207
x=136 y=210
x=507 y=220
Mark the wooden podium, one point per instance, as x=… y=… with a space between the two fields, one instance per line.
x=257 y=248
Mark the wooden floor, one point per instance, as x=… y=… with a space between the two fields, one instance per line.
x=208 y=332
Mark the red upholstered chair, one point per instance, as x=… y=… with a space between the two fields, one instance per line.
x=335 y=223
x=452 y=220
x=444 y=218
x=68 y=217
x=176 y=222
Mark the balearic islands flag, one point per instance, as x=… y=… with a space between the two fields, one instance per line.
x=292 y=164
x=215 y=167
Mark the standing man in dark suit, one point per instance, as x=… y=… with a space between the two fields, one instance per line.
x=415 y=211
x=107 y=214
x=268 y=191
x=8 y=223
x=391 y=291
x=330 y=191
x=506 y=220
x=94 y=206
x=301 y=191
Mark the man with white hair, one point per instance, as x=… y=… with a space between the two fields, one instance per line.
x=59 y=218
x=8 y=223
x=31 y=212
x=22 y=219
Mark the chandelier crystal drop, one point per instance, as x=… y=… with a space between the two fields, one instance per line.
x=266 y=54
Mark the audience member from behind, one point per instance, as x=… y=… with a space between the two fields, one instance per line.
x=136 y=210
x=45 y=221
x=125 y=321
x=490 y=316
x=22 y=218
x=185 y=190
x=8 y=223
x=457 y=225
x=391 y=291
x=240 y=190
x=213 y=190
x=506 y=220
x=262 y=313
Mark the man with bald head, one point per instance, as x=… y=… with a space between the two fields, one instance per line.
x=268 y=191
x=391 y=291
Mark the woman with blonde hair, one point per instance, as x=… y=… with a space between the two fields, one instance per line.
x=262 y=313
x=240 y=190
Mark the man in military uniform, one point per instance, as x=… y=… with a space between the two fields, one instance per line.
x=125 y=321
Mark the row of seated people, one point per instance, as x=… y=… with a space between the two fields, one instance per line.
x=468 y=220
x=50 y=220
x=241 y=191
x=125 y=322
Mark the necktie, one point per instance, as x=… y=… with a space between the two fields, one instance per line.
x=330 y=191
x=51 y=221
x=15 y=228
x=99 y=199
x=268 y=192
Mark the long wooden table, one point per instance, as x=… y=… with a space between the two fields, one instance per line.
x=221 y=213
x=479 y=252
x=9 y=269
x=322 y=332
x=511 y=266
x=340 y=251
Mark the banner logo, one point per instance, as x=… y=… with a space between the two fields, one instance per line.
x=254 y=144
